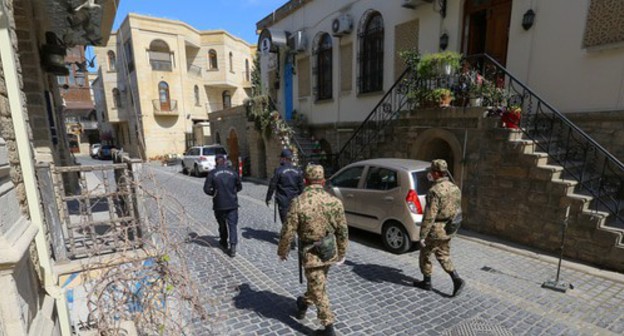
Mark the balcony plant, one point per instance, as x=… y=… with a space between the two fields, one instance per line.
x=440 y=64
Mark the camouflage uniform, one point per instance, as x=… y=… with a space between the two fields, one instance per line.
x=312 y=215
x=443 y=202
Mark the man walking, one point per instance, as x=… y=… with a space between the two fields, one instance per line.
x=443 y=203
x=222 y=183
x=287 y=183
x=319 y=220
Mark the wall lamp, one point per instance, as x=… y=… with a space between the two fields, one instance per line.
x=53 y=56
x=442 y=10
x=444 y=41
x=528 y=19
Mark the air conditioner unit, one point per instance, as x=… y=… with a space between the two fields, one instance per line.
x=413 y=3
x=298 y=41
x=342 y=25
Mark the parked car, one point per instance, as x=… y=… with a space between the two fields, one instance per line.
x=201 y=159
x=384 y=196
x=106 y=152
x=94 y=149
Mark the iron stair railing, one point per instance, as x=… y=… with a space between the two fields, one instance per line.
x=370 y=131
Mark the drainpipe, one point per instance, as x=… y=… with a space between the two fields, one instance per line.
x=24 y=150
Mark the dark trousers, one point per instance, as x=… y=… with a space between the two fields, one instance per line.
x=283 y=213
x=228 y=222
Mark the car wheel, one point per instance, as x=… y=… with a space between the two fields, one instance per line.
x=395 y=238
x=196 y=170
x=183 y=168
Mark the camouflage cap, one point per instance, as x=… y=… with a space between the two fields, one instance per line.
x=314 y=173
x=439 y=165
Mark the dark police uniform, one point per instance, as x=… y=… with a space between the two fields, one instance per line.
x=287 y=183
x=223 y=184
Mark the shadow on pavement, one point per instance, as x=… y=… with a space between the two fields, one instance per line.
x=378 y=273
x=205 y=241
x=267 y=236
x=270 y=305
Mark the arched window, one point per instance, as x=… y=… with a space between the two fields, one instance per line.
x=112 y=61
x=116 y=98
x=247 y=70
x=227 y=100
x=196 y=93
x=231 y=62
x=212 y=60
x=324 y=67
x=160 y=56
x=163 y=96
x=371 y=37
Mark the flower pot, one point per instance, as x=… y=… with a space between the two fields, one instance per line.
x=511 y=120
x=475 y=102
x=445 y=100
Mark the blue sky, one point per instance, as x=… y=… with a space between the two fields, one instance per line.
x=238 y=17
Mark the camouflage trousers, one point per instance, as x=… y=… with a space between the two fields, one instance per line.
x=317 y=293
x=442 y=250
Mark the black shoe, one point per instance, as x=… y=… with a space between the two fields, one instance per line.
x=424 y=284
x=458 y=283
x=302 y=308
x=328 y=331
x=232 y=251
x=293 y=246
x=224 y=244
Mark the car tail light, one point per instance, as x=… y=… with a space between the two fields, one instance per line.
x=203 y=158
x=413 y=203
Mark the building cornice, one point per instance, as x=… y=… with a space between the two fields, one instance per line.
x=280 y=13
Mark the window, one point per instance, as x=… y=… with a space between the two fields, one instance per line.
x=213 y=151
x=231 y=62
x=348 y=178
x=227 y=100
x=422 y=183
x=160 y=56
x=324 y=67
x=196 y=93
x=247 y=70
x=381 y=179
x=371 y=54
x=212 y=60
x=112 y=61
x=163 y=96
x=129 y=55
x=604 y=25
x=116 y=98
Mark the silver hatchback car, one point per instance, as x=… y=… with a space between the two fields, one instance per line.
x=384 y=196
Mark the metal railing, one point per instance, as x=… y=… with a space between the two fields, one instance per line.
x=158 y=65
x=599 y=174
x=195 y=70
x=91 y=210
x=169 y=107
x=368 y=134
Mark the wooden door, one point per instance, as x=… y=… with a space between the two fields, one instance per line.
x=497 y=32
x=487 y=25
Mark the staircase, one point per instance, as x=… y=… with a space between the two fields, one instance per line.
x=567 y=159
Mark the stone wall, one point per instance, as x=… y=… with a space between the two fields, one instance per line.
x=605 y=127
x=229 y=126
x=508 y=191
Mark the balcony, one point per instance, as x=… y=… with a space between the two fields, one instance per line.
x=195 y=70
x=158 y=65
x=89 y=125
x=165 y=109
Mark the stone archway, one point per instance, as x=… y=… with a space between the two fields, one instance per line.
x=437 y=143
x=233 y=150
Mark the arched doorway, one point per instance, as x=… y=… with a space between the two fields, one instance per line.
x=233 y=151
x=437 y=149
x=437 y=143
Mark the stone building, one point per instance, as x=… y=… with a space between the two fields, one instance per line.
x=34 y=37
x=161 y=77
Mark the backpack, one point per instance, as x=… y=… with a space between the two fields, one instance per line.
x=452 y=226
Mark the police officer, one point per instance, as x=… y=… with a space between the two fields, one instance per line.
x=287 y=183
x=443 y=203
x=315 y=216
x=223 y=184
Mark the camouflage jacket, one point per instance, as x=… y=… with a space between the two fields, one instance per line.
x=443 y=202
x=312 y=215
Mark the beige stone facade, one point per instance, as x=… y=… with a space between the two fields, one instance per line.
x=167 y=77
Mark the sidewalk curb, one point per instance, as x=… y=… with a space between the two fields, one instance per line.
x=565 y=264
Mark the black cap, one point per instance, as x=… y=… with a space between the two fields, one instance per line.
x=286 y=153
x=219 y=156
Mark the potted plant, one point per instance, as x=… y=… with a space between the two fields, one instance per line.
x=438 y=64
x=443 y=97
x=511 y=117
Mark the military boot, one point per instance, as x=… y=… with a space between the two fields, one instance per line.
x=223 y=244
x=424 y=284
x=233 y=250
x=458 y=283
x=328 y=331
x=302 y=308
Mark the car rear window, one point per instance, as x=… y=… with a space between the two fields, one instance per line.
x=421 y=184
x=214 y=151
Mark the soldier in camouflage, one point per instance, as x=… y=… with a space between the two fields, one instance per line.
x=315 y=215
x=443 y=203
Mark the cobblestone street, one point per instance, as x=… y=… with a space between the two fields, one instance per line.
x=372 y=293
